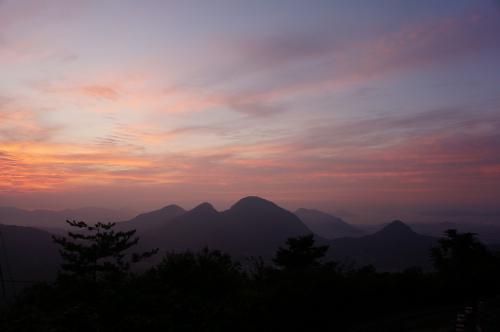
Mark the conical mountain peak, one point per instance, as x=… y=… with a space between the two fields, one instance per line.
x=397 y=227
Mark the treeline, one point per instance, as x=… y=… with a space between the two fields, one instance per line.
x=96 y=290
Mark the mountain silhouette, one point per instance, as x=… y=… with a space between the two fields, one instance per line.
x=257 y=216
x=253 y=220
x=204 y=210
x=152 y=220
x=395 y=230
x=251 y=226
x=326 y=225
x=193 y=230
x=27 y=254
x=394 y=247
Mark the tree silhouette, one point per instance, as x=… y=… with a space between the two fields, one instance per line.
x=299 y=254
x=98 y=251
x=209 y=291
x=205 y=271
x=465 y=263
x=460 y=255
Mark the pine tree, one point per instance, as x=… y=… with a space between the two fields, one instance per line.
x=97 y=252
x=300 y=253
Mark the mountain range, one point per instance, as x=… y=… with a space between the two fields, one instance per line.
x=251 y=227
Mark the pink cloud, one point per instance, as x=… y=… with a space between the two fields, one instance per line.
x=101 y=91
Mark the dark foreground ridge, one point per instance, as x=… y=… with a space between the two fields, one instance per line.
x=300 y=289
x=273 y=273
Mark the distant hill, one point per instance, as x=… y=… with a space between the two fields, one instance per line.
x=394 y=247
x=154 y=219
x=47 y=219
x=326 y=225
x=488 y=233
x=193 y=230
x=252 y=226
x=27 y=254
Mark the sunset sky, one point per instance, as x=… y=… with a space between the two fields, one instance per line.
x=339 y=105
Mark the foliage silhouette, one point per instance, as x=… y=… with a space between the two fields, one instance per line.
x=465 y=263
x=91 y=286
x=97 y=251
x=300 y=253
x=209 y=291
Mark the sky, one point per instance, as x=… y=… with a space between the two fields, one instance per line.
x=356 y=106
